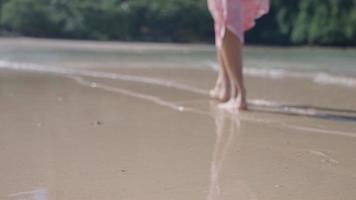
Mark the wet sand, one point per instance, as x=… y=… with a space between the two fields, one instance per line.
x=153 y=134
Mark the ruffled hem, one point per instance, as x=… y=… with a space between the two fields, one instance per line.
x=236 y=15
x=252 y=10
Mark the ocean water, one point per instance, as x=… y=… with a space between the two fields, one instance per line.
x=334 y=66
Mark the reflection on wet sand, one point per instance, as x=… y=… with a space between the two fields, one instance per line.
x=257 y=105
x=227 y=134
x=38 y=194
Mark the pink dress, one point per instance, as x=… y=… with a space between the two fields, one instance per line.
x=236 y=15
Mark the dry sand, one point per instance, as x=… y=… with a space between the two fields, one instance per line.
x=153 y=134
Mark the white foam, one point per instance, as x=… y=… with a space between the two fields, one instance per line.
x=318 y=130
x=281 y=107
x=262 y=102
x=324 y=78
x=268 y=73
x=318 y=78
x=96 y=74
x=276 y=73
x=146 y=97
x=213 y=65
x=86 y=73
x=254 y=72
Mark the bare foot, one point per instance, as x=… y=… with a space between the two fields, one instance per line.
x=241 y=101
x=221 y=91
x=229 y=105
x=234 y=104
x=213 y=93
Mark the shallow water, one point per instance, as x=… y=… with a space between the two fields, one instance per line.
x=334 y=66
x=334 y=60
x=83 y=120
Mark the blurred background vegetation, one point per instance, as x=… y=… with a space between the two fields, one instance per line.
x=290 y=22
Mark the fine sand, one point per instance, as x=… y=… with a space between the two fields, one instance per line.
x=89 y=130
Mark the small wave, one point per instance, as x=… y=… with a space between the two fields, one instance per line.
x=275 y=73
x=269 y=73
x=281 y=107
x=213 y=65
x=318 y=78
x=96 y=74
x=263 y=104
x=328 y=79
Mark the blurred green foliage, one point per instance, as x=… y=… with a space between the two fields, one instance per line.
x=312 y=22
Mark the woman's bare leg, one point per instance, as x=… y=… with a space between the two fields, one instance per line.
x=232 y=54
x=221 y=91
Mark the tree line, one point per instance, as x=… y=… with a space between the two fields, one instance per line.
x=294 y=22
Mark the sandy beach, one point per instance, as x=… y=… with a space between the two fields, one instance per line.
x=135 y=123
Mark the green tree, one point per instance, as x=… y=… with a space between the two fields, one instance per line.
x=312 y=22
x=27 y=16
x=325 y=22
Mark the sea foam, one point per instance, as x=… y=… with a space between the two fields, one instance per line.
x=276 y=73
x=271 y=73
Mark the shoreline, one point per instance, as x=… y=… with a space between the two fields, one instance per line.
x=166 y=44
x=117 y=45
x=100 y=126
